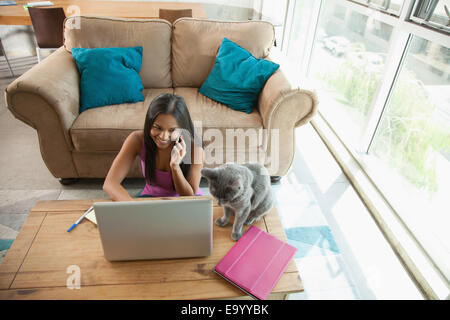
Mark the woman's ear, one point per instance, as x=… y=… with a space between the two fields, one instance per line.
x=208 y=173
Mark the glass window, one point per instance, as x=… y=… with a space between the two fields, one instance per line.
x=339 y=12
x=381 y=30
x=357 y=23
x=347 y=63
x=435 y=13
x=390 y=6
x=274 y=12
x=393 y=6
x=295 y=38
x=410 y=154
x=298 y=29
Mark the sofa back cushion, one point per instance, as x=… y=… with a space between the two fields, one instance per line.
x=153 y=35
x=195 y=43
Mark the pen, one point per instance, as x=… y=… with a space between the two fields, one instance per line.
x=81 y=218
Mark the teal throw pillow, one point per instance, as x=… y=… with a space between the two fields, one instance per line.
x=109 y=76
x=237 y=77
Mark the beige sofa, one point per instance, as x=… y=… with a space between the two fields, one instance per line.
x=177 y=59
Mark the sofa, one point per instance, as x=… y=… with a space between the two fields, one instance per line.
x=176 y=59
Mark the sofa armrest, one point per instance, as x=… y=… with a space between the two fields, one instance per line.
x=279 y=104
x=56 y=81
x=46 y=97
x=282 y=109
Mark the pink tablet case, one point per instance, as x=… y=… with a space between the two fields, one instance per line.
x=256 y=262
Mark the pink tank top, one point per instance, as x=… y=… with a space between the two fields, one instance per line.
x=163 y=184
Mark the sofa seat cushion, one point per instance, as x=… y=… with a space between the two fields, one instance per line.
x=213 y=114
x=106 y=128
x=227 y=135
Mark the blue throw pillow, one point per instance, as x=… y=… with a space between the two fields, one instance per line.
x=237 y=77
x=109 y=76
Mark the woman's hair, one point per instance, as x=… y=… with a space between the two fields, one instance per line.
x=174 y=105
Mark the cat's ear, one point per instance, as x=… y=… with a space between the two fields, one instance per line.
x=209 y=173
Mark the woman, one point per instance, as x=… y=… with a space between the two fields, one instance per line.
x=171 y=156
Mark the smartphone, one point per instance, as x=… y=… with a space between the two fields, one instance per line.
x=186 y=139
x=177 y=139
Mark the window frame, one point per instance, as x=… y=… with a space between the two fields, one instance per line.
x=403 y=30
x=421 y=13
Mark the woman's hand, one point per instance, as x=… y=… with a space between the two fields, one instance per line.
x=178 y=152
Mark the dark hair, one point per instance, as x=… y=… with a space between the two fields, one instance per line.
x=174 y=105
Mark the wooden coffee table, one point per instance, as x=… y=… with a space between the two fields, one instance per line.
x=36 y=265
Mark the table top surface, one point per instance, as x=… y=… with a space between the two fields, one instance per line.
x=36 y=265
x=18 y=15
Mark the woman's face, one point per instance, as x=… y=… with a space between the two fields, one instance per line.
x=164 y=130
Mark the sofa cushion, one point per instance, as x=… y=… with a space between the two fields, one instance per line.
x=213 y=114
x=195 y=43
x=238 y=136
x=153 y=35
x=237 y=77
x=108 y=76
x=106 y=128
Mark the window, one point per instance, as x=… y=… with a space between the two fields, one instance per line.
x=381 y=70
x=433 y=13
x=381 y=30
x=298 y=28
x=357 y=23
x=347 y=63
x=411 y=149
x=339 y=12
x=274 y=12
x=388 y=6
x=298 y=24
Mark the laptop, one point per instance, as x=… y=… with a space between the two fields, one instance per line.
x=157 y=229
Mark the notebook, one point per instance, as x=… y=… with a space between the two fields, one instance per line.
x=91 y=216
x=256 y=262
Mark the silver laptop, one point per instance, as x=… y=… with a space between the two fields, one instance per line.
x=158 y=229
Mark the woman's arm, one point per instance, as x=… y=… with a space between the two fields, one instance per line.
x=188 y=186
x=120 y=168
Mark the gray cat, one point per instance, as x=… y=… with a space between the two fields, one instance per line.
x=243 y=190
